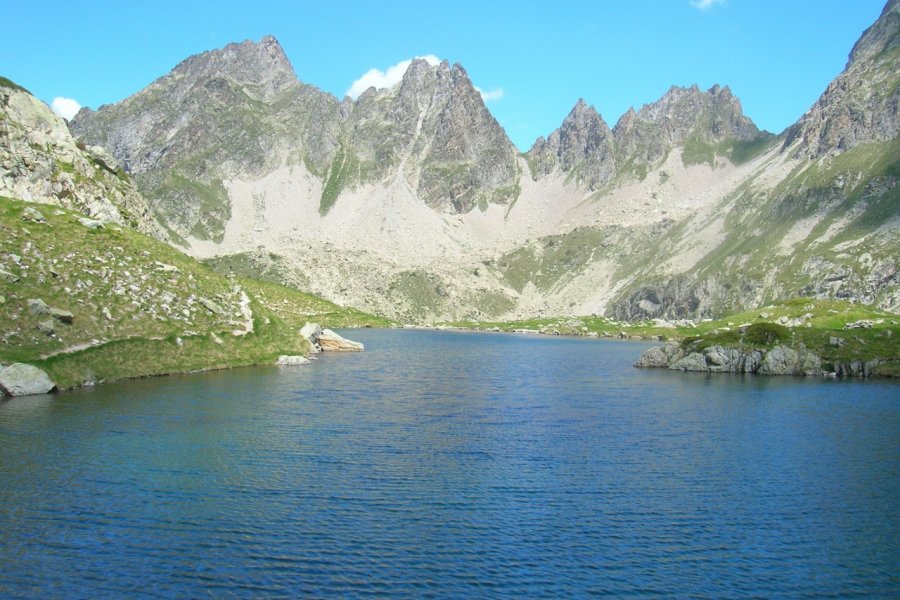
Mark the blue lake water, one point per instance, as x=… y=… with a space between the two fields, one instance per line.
x=460 y=465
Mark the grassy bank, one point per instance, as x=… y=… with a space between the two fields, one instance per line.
x=89 y=303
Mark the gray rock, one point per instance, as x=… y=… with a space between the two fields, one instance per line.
x=692 y=362
x=90 y=223
x=286 y=360
x=38 y=307
x=210 y=306
x=61 y=315
x=46 y=327
x=856 y=368
x=782 y=360
x=837 y=342
x=33 y=215
x=8 y=277
x=20 y=379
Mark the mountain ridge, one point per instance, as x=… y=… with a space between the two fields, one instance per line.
x=412 y=201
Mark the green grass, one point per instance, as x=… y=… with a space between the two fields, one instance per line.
x=698 y=151
x=133 y=298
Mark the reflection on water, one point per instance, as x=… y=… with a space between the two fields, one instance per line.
x=453 y=464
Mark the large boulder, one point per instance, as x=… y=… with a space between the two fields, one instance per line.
x=20 y=379
x=332 y=342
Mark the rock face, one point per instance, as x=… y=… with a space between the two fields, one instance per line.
x=42 y=162
x=19 y=379
x=682 y=117
x=435 y=131
x=778 y=360
x=863 y=103
x=583 y=147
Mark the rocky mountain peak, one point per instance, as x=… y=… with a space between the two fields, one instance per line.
x=583 y=145
x=682 y=111
x=682 y=114
x=862 y=104
x=261 y=65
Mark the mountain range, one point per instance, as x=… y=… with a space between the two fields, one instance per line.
x=412 y=202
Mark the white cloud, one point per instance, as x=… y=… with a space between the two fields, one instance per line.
x=65 y=107
x=705 y=4
x=490 y=95
x=385 y=79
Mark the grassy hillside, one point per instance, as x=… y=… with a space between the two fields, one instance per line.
x=129 y=305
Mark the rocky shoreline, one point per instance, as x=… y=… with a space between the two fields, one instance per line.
x=777 y=360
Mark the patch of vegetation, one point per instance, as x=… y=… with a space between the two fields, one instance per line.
x=697 y=151
x=766 y=334
x=554 y=258
x=743 y=151
x=334 y=183
x=422 y=292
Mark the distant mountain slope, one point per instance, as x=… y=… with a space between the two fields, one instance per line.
x=412 y=202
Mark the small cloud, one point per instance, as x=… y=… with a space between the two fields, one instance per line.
x=490 y=95
x=65 y=107
x=706 y=4
x=385 y=79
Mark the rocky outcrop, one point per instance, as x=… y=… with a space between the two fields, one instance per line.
x=42 y=162
x=777 y=360
x=20 y=379
x=863 y=103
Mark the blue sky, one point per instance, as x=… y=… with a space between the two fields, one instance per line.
x=535 y=58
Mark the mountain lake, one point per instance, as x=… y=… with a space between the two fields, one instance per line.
x=454 y=465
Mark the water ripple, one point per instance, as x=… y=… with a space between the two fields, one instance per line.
x=454 y=465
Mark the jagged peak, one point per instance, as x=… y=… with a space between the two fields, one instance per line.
x=261 y=63
x=585 y=114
